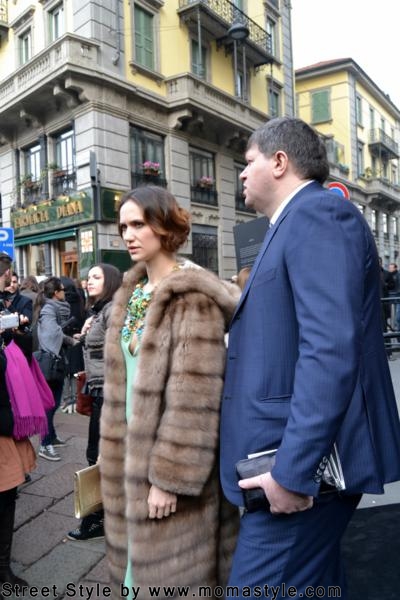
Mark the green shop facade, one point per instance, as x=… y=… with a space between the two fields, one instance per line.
x=69 y=234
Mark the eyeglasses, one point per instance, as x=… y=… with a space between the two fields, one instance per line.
x=61 y=290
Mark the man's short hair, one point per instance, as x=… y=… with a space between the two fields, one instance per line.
x=5 y=262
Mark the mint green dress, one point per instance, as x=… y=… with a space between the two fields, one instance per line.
x=130 y=364
x=134 y=319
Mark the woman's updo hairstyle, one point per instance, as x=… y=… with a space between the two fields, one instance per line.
x=162 y=213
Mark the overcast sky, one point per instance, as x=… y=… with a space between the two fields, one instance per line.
x=366 y=32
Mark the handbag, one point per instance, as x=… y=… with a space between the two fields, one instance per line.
x=51 y=365
x=87 y=492
x=84 y=401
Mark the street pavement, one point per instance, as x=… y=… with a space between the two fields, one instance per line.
x=62 y=568
x=41 y=552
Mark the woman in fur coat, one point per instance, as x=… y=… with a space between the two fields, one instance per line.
x=166 y=521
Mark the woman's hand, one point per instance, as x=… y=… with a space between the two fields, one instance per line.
x=86 y=326
x=161 y=503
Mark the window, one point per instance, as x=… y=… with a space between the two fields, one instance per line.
x=320 y=106
x=242 y=78
x=274 y=100
x=32 y=163
x=374 y=221
x=202 y=177
x=395 y=179
x=271 y=37
x=25 y=46
x=359 y=110
x=382 y=124
x=199 y=63
x=144 y=38
x=385 y=225
x=146 y=147
x=30 y=182
x=395 y=228
x=63 y=176
x=56 y=22
x=360 y=158
x=371 y=118
x=65 y=151
x=205 y=247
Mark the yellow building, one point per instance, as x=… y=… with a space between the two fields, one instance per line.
x=99 y=97
x=361 y=126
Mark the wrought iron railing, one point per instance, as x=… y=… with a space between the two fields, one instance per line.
x=63 y=182
x=230 y=13
x=203 y=195
x=138 y=179
x=378 y=136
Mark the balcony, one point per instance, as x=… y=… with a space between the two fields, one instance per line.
x=384 y=194
x=382 y=145
x=203 y=195
x=194 y=102
x=3 y=18
x=217 y=16
x=63 y=182
x=139 y=178
x=54 y=76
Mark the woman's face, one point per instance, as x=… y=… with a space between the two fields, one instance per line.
x=141 y=241
x=95 y=282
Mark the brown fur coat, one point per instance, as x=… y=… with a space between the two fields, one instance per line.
x=172 y=438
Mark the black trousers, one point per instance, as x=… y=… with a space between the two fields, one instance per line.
x=92 y=450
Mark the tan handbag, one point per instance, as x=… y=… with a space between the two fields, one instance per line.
x=87 y=492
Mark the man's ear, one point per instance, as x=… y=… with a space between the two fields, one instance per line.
x=280 y=163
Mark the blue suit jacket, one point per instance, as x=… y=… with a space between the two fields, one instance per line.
x=306 y=361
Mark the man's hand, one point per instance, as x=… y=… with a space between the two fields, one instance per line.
x=161 y=503
x=280 y=499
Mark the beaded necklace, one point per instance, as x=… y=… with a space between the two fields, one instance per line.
x=136 y=311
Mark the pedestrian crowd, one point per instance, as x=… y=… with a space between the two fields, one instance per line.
x=281 y=376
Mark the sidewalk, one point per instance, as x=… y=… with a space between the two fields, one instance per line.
x=45 y=513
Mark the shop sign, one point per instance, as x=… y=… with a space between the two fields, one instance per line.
x=53 y=214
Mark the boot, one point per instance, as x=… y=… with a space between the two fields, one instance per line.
x=7 y=514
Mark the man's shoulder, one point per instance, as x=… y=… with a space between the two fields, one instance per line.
x=21 y=301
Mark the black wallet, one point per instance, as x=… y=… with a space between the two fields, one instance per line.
x=255 y=499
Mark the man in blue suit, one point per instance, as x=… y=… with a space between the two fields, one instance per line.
x=306 y=370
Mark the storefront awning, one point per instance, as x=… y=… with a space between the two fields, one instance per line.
x=45 y=237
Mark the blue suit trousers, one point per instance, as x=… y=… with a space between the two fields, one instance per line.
x=300 y=550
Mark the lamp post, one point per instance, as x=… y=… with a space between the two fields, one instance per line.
x=239 y=32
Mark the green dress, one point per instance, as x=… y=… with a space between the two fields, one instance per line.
x=134 y=324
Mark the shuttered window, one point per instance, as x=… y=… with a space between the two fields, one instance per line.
x=144 y=38
x=320 y=106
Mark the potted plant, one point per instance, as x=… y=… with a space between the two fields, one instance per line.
x=151 y=168
x=205 y=181
x=28 y=183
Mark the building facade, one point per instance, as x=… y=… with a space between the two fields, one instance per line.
x=98 y=97
x=361 y=128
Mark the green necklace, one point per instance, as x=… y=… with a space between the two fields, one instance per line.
x=136 y=311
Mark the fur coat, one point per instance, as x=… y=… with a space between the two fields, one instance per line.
x=172 y=437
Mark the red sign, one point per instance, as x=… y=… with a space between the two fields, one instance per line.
x=339 y=188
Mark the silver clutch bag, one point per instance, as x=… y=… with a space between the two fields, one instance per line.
x=87 y=492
